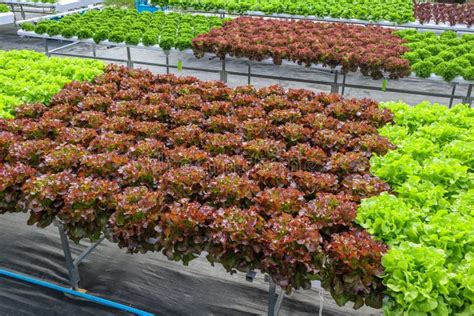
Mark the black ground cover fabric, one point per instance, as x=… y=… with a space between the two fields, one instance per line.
x=149 y=282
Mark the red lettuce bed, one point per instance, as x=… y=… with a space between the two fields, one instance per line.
x=373 y=50
x=262 y=179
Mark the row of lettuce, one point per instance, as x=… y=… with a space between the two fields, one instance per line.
x=446 y=55
x=398 y=11
x=4 y=8
x=375 y=51
x=172 y=30
x=426 y=220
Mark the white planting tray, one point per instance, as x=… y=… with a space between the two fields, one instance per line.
x=7 y=18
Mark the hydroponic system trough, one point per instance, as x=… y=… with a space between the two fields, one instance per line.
x=372 y=202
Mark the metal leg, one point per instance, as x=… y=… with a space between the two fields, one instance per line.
x=46 y=49
x=335 y=85
x=223 y=72
x=468 y=100
x=321 y=302
x=343 y=83
x=57 y=49
x=271 y=297
x=72 y=265
x=274 y=300
x=22 y=12
x=249 y=73
x=87 y=252
x=129 y=58
x=167 y=54
x=12 y=10
x=280 y=298
x=453 y=93
x=74 y=277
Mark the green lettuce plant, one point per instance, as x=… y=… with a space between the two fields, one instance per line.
x=398 y=11
x=4 y=8
x=28 y=76
x=119 y=25
x=428 y=220
x=447 y=55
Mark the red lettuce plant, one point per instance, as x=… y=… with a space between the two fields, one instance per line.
x=226 y=190
x=223 y=143
x=353 y=266
x=134 y=224
x=271 y=174
x=183 y=230
x=44 y=196
x=186 y=135
x=181 y=156
x=64 y=157
x=11 y=179
x=33 y=110
x=444 y=13
x=236 y=238
x=87 y=207
x=7 y=139
x=184 y=182
x=281 y=200
x=312 y=182
x=224 y=164
x=284 y=235
x=329 y=210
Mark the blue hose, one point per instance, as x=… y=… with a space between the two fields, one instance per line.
x=91 y=298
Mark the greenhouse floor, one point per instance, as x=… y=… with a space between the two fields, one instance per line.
x=146 y=281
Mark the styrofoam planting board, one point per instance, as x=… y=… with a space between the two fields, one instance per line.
x=67 y=5
x=7 y=18
x=29 y=3
x=106 y=42
x=59 y=6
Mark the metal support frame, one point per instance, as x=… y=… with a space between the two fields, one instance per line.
x=468 y=99
x=72 y=265
x=333 y=85
x=453 y=93
x=343 y=83
x=249 y=72
x=46 y=49
x=223 y=73
x=274 y=299
x=167 y=55
x=42 y=8
x=12 y=10
x=129 y=58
